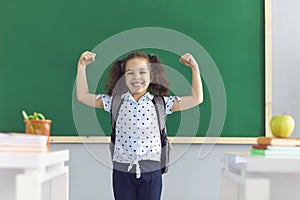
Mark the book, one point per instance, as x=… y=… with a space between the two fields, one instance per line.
x=275 y=153
x=20 y=142
x=258 y=146
x=24 y=149
x=281 y=148
x=284 y=148
x=22 y=138
x=272 y=141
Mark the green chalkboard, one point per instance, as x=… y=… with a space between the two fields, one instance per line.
x=40 y=42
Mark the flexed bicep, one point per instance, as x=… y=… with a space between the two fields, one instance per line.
x=185 y=102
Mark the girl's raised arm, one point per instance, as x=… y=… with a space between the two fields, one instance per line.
x=82 y=88
x=196 y=96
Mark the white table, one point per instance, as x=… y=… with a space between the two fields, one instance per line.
x=246 y=177
x=23 y=175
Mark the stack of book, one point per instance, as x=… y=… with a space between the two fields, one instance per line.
x=23 y=143
x=277 y=147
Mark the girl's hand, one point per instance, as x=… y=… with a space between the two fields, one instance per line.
x=188 y=60
x=86 y=58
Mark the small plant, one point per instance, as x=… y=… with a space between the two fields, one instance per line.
x=35 y=116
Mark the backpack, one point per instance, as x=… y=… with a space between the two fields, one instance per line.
x=159 y=104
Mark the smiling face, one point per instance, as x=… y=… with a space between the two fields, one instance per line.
x=137 y=76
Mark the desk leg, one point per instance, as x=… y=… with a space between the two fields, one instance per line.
x=229 y=188
x=28 y=186
x=257 y=188
x=244 y=187
x=60 y=186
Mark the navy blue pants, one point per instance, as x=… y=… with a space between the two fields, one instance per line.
x=127 y=187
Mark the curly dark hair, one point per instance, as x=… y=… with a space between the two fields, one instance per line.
x=159 y=85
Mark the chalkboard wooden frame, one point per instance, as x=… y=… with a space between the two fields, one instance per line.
x=221 y=140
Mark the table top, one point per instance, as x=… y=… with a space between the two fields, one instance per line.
x=244 y=161
x=12 y=160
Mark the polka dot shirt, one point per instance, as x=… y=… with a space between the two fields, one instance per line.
x=137 y=130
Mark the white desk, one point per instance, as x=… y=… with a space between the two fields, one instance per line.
x=28 y=172
x=246 y=177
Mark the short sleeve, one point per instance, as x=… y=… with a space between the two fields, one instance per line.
x=106 y=99
x=169 y=101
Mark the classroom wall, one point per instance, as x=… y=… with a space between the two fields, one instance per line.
x=286 y=59
x=190 y=177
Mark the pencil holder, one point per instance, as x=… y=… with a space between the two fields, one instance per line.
x=38 y=127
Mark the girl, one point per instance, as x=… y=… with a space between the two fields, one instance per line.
x=137 y=78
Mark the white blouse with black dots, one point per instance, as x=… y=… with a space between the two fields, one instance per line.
x=137 y=130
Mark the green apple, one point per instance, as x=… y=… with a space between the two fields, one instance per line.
x=282 y=125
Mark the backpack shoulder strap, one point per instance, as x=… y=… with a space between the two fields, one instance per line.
x=160 y=107
x=114 y=112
